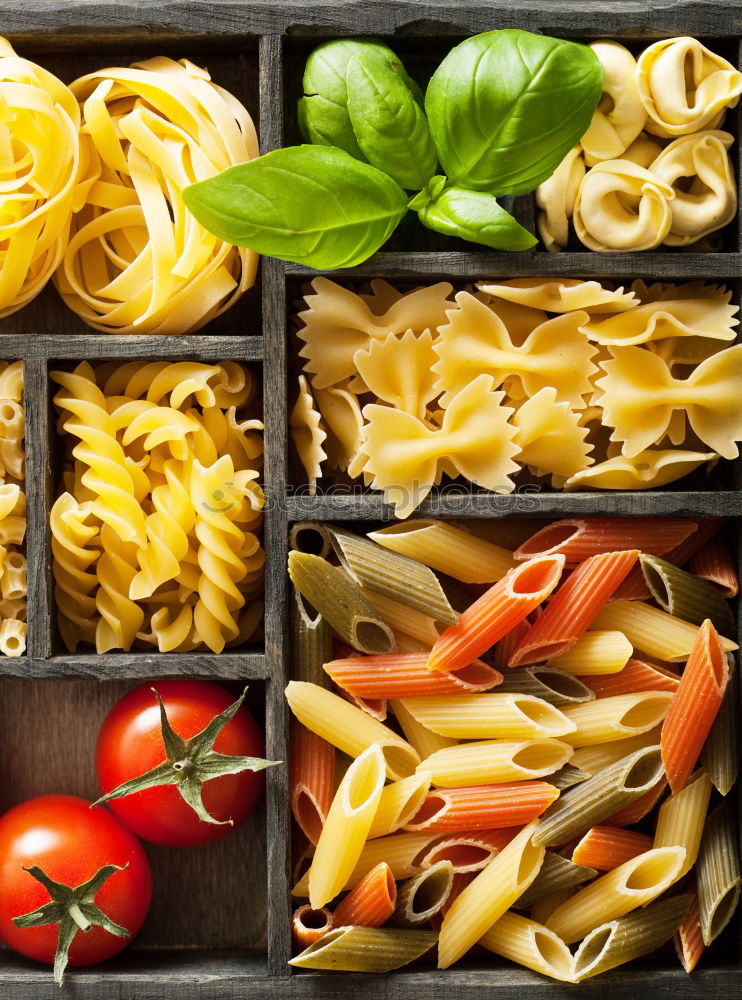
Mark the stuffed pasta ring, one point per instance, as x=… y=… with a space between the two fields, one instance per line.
x=620 y=116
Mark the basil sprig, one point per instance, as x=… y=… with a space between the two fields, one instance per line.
x=501 y=112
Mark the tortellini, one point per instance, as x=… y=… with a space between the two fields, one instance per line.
x=620 y=116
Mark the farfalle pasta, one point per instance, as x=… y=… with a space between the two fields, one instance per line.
x=155 y=536
x=525 y=379
x=137 y=261
x=13 y=581
x=653 y=168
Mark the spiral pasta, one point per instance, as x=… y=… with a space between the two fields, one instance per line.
x=13 y=583
x=137 y=260
x=40 y=158
x=188 y=574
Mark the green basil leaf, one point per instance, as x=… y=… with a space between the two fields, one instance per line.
x=323 y=111
x=473 y=216
x=389 y=125
x=311 y=205
x=505 y=107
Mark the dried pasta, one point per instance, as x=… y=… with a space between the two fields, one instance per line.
x=13 y=577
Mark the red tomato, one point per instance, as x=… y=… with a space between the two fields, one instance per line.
x=130 y=743
x=70 y=842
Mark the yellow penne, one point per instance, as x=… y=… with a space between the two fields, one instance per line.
x=494 y=761
x=619 y=717
x=681 y=819
x=349 y=728
x=487 y=898
x=651 y=630
x=478 y=716
x=399 y=802
x=594 y=758
x=346 y=828
x=595 y=653
x=530 y=944
x=407 y=644
x=424 y=740
x=403 y=619
x=449 y=549
x=635 y=883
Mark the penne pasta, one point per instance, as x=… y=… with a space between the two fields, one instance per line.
x=495 y=761
x=508 y=532
x=553 y=686
x=682 y=816
x=652 y=630
x=423 y=896
x=567 y=776
x=574 y=607
x=639 y=808
x=694 y=706
x=483 y=807
x=686 y=596
x=529 y=944
x=720 y=755
x=312 y=779
x=688 y=939
x=579 y=538
x=399 y=802
x=365 y=949
x=594 y=758
x=308 y=925
x=467 y=852
x=715 y=564
x=556 y=873
x=619 y=941
x=401 y=618
x=478 y=716
x=424 y=741
x=392 y=575
x=493 y=614
x=340 y=601
x=310 y=536
x=594 y=800
x=634 y=883
x=348 y=728
x=449 y=549
x=718 y=872
x=595 y=653
x=606 y=847
x=635 y=676
x=311 y=642
x=607 y=719
x=544 y=907
x=489 y=896
x=370 y=903
x=405 y=675
x=346 y=827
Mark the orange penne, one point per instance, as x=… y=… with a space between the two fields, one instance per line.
x=633 y=588
x=483 y=807
x=406 y=675
x=635 y=676
x=578 y=538
x=467 y=852
x=606 y=847
x=505 y=646
x=688 y=938
x=375 y=707
x=498 y=610
x=308 y=925
x=714 y=563
x=312 y=779
x=574 y=607
x=371 y=902
x=706 y=528
x=694 y=707
x=639 y=808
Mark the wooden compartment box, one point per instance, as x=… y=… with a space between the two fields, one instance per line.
x=210 y=933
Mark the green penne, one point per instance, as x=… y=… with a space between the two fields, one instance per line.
x=623 y=940
x=311 y=642
x=718 y=872
x=338 y=599
x=556 y=873
x=385 y=572
x=594 y=800
x=310 y=536
x=548 y=683
x=720 y=754
x=422 y=896
x=365 y=949
x=686 y=596
x=568 y=776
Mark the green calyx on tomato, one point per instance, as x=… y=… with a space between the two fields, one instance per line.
x=73 y=909
x=190 y=763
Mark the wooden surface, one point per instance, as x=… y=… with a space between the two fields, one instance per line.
x=231 y=939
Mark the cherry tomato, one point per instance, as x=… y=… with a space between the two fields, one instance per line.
x=130 y=743
x=70 y=842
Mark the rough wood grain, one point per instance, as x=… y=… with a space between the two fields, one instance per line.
x=114 y=666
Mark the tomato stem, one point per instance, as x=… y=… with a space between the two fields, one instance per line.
x=79 y=917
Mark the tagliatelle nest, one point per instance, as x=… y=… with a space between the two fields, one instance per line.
x=137 y=260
